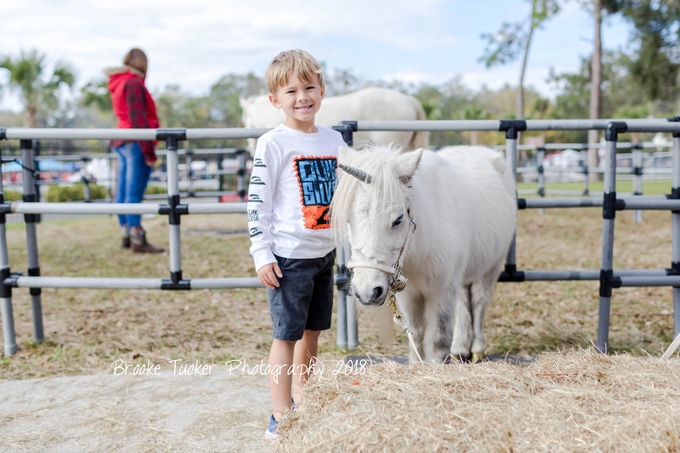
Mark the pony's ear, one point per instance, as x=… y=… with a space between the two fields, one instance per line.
x=347 y=155
x=405 y=164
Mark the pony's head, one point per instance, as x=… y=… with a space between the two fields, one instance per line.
x=372 y=209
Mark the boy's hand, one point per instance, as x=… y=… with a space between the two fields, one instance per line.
x=268 y=275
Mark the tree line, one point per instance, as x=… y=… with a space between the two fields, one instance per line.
x=639 y=81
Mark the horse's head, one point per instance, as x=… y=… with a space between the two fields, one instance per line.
x=372 y=209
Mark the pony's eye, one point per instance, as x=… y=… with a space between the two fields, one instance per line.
x=398 y=221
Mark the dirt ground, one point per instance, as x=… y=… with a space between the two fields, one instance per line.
x=219 y=412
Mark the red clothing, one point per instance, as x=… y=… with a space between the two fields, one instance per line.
x=134 y=107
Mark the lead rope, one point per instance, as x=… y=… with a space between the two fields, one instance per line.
x=398 y=320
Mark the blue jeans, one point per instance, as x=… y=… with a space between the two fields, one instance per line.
x=133 y=176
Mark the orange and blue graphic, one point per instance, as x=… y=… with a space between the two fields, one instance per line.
x=316 y=178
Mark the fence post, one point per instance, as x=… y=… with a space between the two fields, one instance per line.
x=87 y=197
x=637 y=177
x=29 y=196
x=512 y=129
x=675 y=216
x=586 y=170
x=38 y=195
x=348 y=309
x=188 y=159
x=540 y=156
x=9 y=337
x=241 y=174
x=220 y=176
x=109 y=180
x=608 y=215
x=174 y=208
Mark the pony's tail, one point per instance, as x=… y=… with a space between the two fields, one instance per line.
x=420 y=139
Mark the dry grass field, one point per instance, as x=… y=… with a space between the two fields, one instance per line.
x=578 y=401
x=86 y=330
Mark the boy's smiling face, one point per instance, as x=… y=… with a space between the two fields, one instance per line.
x=300 y=101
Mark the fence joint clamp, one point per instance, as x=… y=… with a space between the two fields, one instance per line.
x=606 y=277
x=674 y=195
x=347 y=130
x=182 y=285
x=171 y=137
x=512 y=127
x=174 y=210
x=516 y=276
x=613 y=129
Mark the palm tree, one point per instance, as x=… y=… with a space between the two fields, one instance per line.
x=39 y=92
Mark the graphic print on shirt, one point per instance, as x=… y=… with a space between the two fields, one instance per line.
x=254 y=198
x=316 y=178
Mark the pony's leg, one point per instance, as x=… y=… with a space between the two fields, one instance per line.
x=411 y=307
x=438 y=327
x=462 y=331
x=480 y=297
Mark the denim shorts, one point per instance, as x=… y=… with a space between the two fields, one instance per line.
x=304 y=298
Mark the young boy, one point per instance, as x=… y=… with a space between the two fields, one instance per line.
x=291 y=187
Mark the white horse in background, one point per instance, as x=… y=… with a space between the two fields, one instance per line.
x=463 y=202
x=367 y=104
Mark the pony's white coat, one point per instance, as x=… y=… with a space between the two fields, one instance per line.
x=367 y=104
x=463 y=202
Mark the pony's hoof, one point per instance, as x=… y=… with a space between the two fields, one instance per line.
x=457 y=358
x=478 y=357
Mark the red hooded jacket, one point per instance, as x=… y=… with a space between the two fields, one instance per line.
x=134 y=107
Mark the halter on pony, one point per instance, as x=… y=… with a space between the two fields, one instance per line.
x=397 y=279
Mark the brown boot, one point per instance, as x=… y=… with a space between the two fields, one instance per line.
x=125 y=237
x=139 y=243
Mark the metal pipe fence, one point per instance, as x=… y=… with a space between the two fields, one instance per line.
x=347 y=323
x=634 y=166
x=222 y=177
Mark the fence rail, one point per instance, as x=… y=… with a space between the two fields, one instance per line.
x=347 y=323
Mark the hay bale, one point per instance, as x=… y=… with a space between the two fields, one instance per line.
x=575 y=401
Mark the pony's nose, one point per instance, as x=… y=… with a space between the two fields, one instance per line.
x=370 y=296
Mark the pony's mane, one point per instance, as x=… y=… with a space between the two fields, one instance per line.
x=384 y=190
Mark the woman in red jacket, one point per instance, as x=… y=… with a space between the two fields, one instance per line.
x=135 y=108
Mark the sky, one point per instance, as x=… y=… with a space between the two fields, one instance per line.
x=193 y=43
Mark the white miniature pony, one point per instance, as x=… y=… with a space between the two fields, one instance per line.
x=367 y=104
x=463 y=202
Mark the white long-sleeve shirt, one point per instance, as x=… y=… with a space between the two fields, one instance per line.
x=291 y=186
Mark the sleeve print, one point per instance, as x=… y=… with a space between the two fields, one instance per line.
x=260 y=191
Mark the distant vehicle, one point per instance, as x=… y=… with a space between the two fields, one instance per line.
x=564 y=166
x=568 y=159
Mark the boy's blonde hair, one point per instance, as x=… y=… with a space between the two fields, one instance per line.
x=297 y=62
